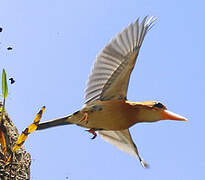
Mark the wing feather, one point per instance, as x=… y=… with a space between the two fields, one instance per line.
x=110 y=75
x=123 y=141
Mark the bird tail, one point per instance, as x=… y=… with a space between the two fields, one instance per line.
x=55 y=122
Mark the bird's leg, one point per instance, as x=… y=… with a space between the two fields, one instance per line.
x=92 y=131
x=84 y=118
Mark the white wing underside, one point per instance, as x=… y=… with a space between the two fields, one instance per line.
x=123 y=141
x=111 y=71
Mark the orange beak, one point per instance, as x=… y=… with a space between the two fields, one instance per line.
x=172 y=116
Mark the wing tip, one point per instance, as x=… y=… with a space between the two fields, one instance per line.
x=147 y=20
x=151 y=22
x=144 y=164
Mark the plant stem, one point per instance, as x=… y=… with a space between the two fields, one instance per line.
x=2 y=113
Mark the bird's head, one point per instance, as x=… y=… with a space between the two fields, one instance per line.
x=152 y=111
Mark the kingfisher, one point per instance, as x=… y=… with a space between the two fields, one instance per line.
x=106 y=110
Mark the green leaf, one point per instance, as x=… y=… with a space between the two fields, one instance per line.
x=4 y=84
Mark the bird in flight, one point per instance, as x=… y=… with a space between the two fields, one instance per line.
x=107 y=110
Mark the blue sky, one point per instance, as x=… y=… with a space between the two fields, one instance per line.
x=54 y=45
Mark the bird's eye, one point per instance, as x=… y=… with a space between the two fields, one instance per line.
x=159 y=105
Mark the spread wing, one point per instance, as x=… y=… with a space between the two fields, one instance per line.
x=123 y=141
x=111 y=71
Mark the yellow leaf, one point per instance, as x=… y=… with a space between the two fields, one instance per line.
x=3 y=143
x=31 y=128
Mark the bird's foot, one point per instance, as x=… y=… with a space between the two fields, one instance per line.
x=92 y=131
x=84 y=118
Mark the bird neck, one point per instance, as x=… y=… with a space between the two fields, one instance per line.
x=147 y=115
x=144 y=113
